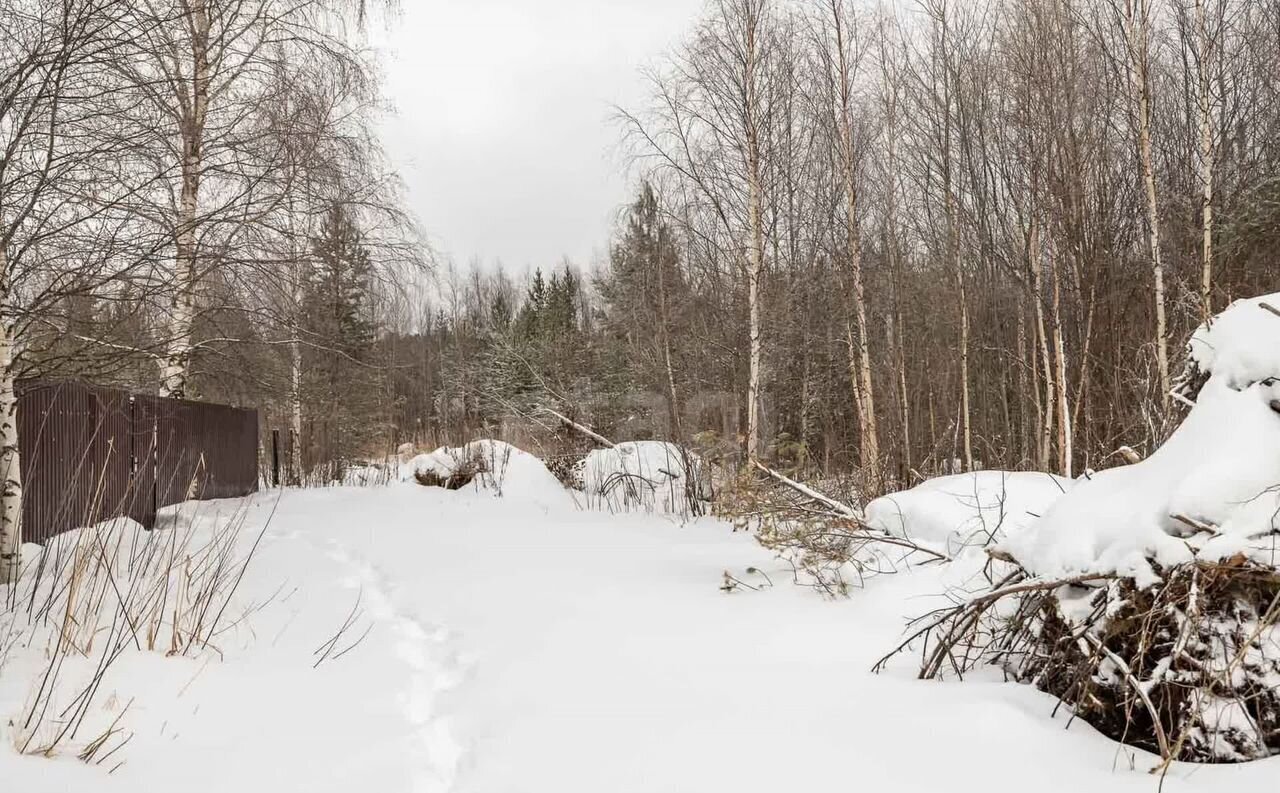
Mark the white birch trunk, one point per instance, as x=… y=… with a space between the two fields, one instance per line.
x=176 y=366
x=859 y=353
x=963 y=303
x=755 y=220
x=294 y=475
x=10 y=465
x=1042 y=336
x=1060 y=356
x=664 y=329
x=755 y=268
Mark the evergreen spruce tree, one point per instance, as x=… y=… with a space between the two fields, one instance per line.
x=339 y=384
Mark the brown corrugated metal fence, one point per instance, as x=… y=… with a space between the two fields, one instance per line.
x=89 y=453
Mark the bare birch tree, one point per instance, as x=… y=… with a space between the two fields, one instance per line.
x=62 y=168
x=840 y=53
x=1136 y=21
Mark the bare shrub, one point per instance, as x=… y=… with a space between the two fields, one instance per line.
x=825 y=542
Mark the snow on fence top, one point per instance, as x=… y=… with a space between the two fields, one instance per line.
x=1210 y=492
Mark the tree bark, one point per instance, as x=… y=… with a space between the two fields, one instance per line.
x=1045 y=445
x=1060 y=360
x=294 y=474
x=755 y=219
x=859 y=352
x=664 y=328
x=194 y=111
x=10 y=464
x=1204 y=100
x=1137 y=19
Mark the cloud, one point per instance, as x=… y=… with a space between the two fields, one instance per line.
x=502 y=129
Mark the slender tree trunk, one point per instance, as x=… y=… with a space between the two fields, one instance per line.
x=10 y=465
x=755 y=268
x=176 y=366
x=1025 y=386
x=889 y=100
x=1037 y=286
x=664 y=329
x=962 y=302
x=294 y=474
x=1060 y=360
x=904 y=398
x=1204 y=99
x=860 y=351
x=1138 y=19
x=860 y=354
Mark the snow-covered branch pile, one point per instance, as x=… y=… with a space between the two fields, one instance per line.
x=1147 y=597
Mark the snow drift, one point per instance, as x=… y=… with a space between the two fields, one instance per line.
x=1209 y=493
x=489 y=465
x=648 y=475
x=966 y=510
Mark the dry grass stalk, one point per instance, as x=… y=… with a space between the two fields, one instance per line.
x=107 y=589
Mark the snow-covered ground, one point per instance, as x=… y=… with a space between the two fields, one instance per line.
x=526 y=644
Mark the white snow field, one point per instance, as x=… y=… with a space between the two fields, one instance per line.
x=523 y=644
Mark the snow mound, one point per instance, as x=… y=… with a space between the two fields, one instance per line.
x=1210 y=492
x=649 y=475
x=494 y=466
x=367 y=475
x=1242 y=344
x=1206 y=492
x=964 y=510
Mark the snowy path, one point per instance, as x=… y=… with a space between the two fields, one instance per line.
x=595 y=653
x=527 y=646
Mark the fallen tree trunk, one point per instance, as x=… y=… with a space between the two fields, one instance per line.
x=843 y=509
x=580 y=428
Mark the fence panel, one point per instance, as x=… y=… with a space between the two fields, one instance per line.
x=90 y=453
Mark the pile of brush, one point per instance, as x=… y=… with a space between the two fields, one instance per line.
x=1188 y=668
x=1147 y=599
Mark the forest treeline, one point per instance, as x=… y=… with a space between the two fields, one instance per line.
x=899 y=240
x=895 y=239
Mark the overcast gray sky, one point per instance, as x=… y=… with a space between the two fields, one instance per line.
x=502 y=130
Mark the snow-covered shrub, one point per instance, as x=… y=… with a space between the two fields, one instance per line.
x=653 y=476
x=490 y=465
x=1148 y=596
